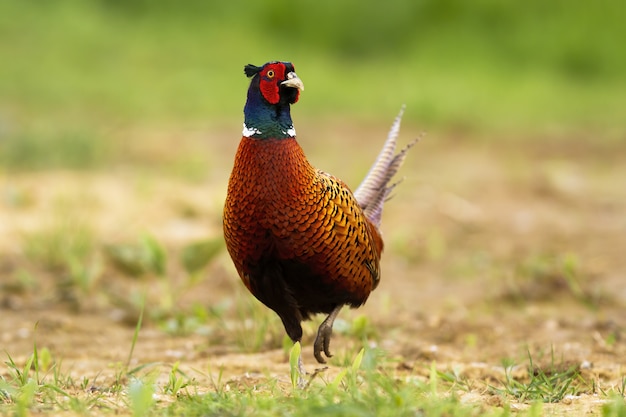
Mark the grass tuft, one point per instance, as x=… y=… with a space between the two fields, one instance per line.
x=550 y=384
x=540 y=277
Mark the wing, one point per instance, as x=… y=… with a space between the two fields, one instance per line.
x=328 y=234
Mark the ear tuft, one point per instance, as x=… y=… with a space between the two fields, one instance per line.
x=251 y=70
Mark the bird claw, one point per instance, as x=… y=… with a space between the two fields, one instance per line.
x=324 y=333
x=322 y=342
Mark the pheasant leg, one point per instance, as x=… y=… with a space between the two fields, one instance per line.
x=302 y=383
x=324 y=333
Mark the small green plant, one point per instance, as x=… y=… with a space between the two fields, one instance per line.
x=456 y=380
x=362 y=328
x=355 y=367
x=177 y=380
x=62 y=241
x=65 y=247
x=198 y=255
x=30 y=386
x=148 y=259
x=295 y=360
x=217 y=382
x=25 y=397
x=143 y=258
x=20 y=376
x=183 y=323
x=546 y=385
x=539 y=277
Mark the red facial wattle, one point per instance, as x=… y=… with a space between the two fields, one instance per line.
x=271 y=76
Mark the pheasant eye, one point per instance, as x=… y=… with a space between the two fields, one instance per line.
x=270 y=74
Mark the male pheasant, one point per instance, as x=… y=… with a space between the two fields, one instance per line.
x=300 y=240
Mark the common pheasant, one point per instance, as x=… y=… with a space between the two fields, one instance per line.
x=301 y=241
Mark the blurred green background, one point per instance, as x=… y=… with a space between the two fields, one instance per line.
x=74 y=72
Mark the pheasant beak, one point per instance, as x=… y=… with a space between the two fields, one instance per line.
x=293 y=81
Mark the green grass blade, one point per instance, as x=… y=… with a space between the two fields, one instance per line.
x=356 y=364
x=334 y=385
x=136 y=333
x=294 y=359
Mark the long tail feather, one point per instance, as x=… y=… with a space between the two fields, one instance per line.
x=374 y=189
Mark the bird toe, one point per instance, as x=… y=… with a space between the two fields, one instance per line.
x=322 y=343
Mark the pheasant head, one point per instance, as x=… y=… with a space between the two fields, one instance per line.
x=273 y=89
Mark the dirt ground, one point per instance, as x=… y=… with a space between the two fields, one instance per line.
x=494 y=251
